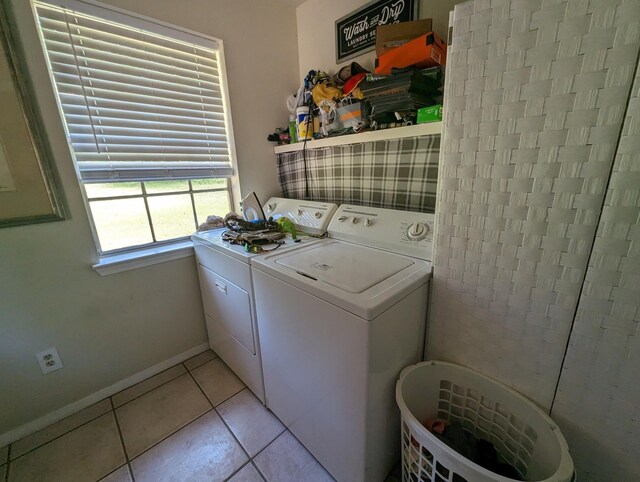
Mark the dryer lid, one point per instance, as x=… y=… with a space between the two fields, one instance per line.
x=351 y=268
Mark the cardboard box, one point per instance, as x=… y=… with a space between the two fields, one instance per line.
x=432 y=113
x=425 y=51
x=393 y=35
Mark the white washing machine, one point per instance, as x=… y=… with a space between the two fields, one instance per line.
x=338 y=321
x=226 y=284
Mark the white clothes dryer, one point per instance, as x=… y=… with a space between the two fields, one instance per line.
x=226 y=285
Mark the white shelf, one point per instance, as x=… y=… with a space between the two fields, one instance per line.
x=428 y=129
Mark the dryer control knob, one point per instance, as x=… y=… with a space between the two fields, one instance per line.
x=342 y=219
x=318 y=214
x=355 y=219
x=417 y=231
x=271 y=207
x=368 y=222
x=300 y=211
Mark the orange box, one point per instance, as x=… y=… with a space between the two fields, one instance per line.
x=426 y=51
x=393 y=35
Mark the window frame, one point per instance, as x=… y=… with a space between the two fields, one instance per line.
x=134 y=20
x=144 y=195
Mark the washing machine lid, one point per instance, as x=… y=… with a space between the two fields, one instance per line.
x=362 y=280
x=349 y=267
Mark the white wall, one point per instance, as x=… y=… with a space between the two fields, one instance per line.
x=316 y=30
x=107 y=329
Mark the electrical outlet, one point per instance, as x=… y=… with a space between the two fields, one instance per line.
x=49 y=360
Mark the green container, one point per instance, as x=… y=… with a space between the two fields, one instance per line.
x=432 y=113
x=293 y=131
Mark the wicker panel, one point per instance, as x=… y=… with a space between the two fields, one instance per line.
x=394 y=174
x=535 y=96
x=598 y=399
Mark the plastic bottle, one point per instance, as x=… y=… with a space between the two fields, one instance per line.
x=293 y=131
x=305 y=127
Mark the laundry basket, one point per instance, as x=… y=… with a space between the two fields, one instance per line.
x=522 y=434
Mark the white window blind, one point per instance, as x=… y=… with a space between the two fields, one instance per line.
x=137 y=105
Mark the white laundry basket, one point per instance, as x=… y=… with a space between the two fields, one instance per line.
x=523 y=435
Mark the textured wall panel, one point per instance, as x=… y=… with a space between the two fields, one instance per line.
x=535 y=96
x=394 y=174
x=598 y=399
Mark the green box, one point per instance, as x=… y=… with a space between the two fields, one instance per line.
x=432 y=113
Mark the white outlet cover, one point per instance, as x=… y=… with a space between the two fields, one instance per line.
x=49 y=360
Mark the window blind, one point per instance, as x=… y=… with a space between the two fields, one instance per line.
x=136 y=105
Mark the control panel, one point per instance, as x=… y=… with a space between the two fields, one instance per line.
x=402 y=232
x=308 y=216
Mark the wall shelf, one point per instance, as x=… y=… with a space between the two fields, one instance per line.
x=429 y=129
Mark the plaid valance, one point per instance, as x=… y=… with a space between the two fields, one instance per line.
x=395 y=174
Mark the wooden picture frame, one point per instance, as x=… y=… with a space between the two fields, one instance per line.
x=29 y=186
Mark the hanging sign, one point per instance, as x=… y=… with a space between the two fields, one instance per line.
x=356 y=32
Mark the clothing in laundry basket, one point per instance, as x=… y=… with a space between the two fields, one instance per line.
x=479 y=451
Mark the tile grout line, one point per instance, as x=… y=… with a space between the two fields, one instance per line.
x=128 y=460
x=172 y=433
x=234 y=438
x=276 y=438
x=251 y=459
x=198 y=366
x=131 y=476
x=179 y=428
x=6 y=473
x=9 y=461
x=213 y=407
x=94 y=418
x=143 y=394
x=244 y=387
x=257 y=469
x=225 y=423
x=286 y=429
x=265 y=448
x=235 y=472
x=312 y=456
x=229 y=398
x=237 y=393
x=113 y=471
x=57 y=436
x=218 y=413
x=124 y=447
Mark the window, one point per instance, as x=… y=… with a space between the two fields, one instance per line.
x=139 y=213
x=146 y=115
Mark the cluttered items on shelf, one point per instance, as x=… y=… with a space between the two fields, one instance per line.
x=408 y=78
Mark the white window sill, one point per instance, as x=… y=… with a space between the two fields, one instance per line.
x=117 y=263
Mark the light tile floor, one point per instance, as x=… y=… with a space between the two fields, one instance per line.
x=194 y=421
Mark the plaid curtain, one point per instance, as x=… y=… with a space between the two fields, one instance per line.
x=394 y=174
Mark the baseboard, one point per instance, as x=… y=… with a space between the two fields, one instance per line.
x=57 y=415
